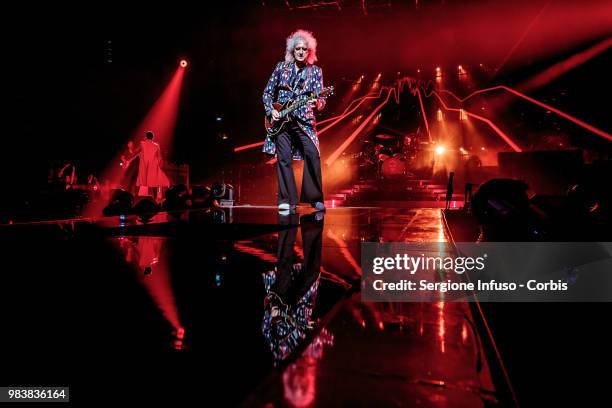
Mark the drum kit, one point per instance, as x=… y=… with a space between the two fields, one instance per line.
x=389 y=155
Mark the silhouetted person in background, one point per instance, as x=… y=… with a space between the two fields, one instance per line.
x=66 y=176
x=129 y=165
x=150 y=174
x=291 y=288
x=449 y=189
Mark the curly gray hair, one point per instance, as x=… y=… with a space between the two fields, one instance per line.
x=308 y=39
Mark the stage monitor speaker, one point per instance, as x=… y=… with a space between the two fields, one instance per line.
x=503 y=211
x=549 y=172
x=201 y=196
x=120 y=203
x=145 y=207
x=176 y=197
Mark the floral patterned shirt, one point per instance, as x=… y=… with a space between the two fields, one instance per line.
x=289 y=82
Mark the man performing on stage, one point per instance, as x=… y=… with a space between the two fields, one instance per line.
x=294 y=79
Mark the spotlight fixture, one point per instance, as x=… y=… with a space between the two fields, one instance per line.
x=224 y=193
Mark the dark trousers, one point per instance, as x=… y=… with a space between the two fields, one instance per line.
x=290 y=285
x=312 y=187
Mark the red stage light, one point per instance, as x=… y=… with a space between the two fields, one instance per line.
x=183 y=63
x=180 y=333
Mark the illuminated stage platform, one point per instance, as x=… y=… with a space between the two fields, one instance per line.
x=163 y=300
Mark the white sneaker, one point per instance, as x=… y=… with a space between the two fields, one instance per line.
x=284 y=207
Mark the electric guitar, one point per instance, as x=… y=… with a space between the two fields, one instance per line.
x=273 y=127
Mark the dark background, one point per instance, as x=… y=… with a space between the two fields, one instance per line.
x=80 y=79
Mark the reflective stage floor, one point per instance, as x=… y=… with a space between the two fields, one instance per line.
x=235 y=307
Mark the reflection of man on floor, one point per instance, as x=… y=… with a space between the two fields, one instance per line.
x=150 y=174
x=292 y=287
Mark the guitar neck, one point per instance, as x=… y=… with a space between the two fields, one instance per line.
x=298 y=104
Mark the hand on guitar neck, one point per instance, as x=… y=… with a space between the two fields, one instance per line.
x=313 y=103
x=125 y=163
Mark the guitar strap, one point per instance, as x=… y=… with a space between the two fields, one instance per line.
x=300 y=81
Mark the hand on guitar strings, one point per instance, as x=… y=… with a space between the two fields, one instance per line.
x=316 y=103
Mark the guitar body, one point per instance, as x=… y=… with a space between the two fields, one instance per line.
x=274 y=127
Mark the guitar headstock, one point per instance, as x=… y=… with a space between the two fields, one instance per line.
x=327 y=91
